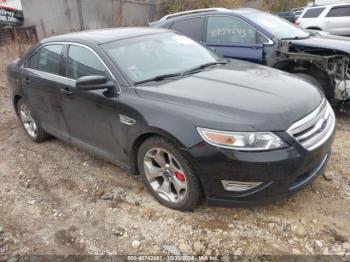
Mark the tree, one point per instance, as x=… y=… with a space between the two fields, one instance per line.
x=284 y=5
x=173 y=6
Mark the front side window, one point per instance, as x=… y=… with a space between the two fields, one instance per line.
x=313 y=12
x=142 y=58
x=339 y=11
x=46 y=59
x=83 y=62
x=192 y=27
x=223 y=30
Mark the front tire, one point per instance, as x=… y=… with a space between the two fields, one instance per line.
x=168 y=175
x=31 y=125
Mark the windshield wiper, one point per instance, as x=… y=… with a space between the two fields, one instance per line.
x=205 y=66
x=157 y=78
x=165 y=76
x=296 y=38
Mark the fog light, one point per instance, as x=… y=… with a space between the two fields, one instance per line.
x=238 y=186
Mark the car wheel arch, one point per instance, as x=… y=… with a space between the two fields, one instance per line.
x=142 y=137
x=322 y=77
x=16 y=98
x=284 y=65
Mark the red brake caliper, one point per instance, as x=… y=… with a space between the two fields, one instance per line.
x=180 y=176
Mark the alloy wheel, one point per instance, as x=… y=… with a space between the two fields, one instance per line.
x=165 y=175
x=28 y=121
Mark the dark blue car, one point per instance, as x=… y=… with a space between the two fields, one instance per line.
x=263 y=38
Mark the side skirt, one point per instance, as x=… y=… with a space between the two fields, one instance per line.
x=89 y=148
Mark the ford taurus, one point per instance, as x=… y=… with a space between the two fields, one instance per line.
x=190 y=122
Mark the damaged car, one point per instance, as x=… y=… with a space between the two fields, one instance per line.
x=263 y=38
x=192 y=124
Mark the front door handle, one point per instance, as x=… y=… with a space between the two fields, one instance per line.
x=66 y=91
x=27 y=80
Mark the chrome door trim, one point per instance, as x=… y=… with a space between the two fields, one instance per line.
x=76 y=44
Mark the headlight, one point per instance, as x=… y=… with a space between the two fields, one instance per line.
x=243 y=141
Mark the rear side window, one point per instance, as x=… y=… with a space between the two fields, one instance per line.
x=83 y=62
x=46 y=59
x=339 y=11
x=313 y=13
x=192 y=27
x=225 y=30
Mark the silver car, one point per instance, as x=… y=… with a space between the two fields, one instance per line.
x=334 y=19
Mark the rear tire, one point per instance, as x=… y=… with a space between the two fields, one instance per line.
x=168 y=175
x=30 y=123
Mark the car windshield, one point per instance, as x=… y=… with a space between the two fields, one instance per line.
x=147 y=57
x=280 y=28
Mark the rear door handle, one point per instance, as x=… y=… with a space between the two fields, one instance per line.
x=27 y=80
x=66 y=91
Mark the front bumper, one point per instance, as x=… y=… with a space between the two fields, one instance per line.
x=283 y=172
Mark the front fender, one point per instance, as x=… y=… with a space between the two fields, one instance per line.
x=155 y=118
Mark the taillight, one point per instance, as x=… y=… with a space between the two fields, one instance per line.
x=297 y=23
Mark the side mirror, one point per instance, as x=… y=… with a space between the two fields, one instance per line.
x=87 y=83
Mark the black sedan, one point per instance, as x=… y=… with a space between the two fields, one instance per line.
x=191 y=123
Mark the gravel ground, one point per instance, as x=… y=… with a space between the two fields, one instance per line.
x=58 y=199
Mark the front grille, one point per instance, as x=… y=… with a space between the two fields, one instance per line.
x=314 y=129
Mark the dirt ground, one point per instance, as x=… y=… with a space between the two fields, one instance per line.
x=58 y=199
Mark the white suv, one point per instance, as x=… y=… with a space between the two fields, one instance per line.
x=334 y=19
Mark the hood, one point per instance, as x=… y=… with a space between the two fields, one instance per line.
x=239 y=96
x=332 y=42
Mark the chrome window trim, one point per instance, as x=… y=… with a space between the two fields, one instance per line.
x=270 y=42
x=50 y=74
x=195 y=11
x=76 y=44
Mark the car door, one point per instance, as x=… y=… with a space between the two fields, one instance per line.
x=234 y=38
x=92 y=116
x=337 y=20
x=42 y=82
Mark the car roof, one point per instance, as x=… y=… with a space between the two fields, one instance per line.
x=246 y=11
x=329 y=5
x=241 y=13
x=196 y=12
x=102 y=36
